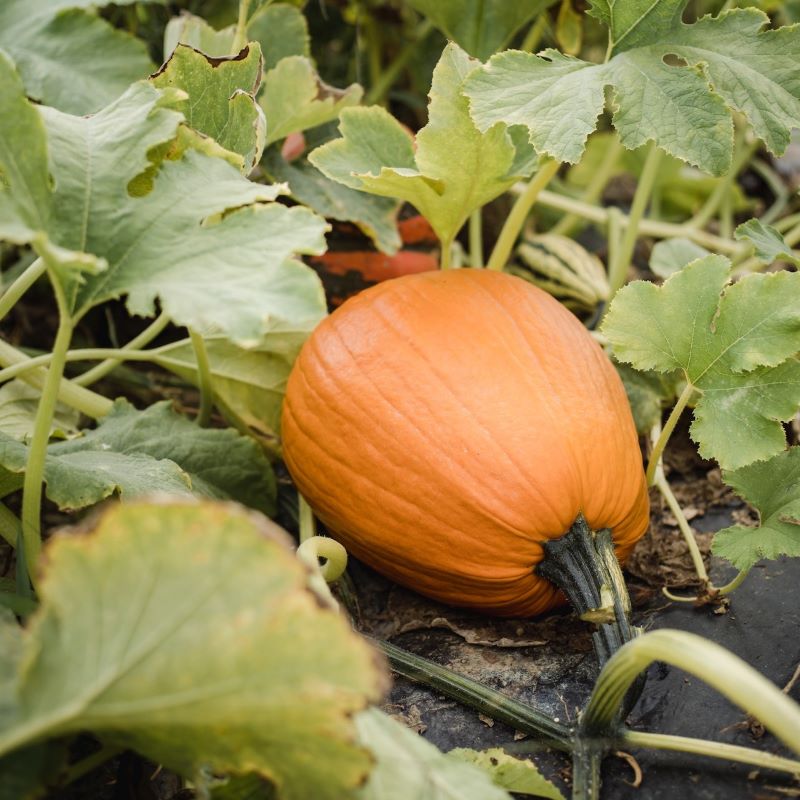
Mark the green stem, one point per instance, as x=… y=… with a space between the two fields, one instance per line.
x=240 y=33
x=305 y=519
x=721 y=669
x=534 y=34
x=594 y=188
x=381 y=88
x=783 y=225
x=519 y=213
x=618 y=269
x=477 y=696
x=661 y=443
x=683 y=525
x=446 y=257
x=204 y=379
x=90 y=763
x=476 y=238
x=647 y=227
x=586 y=760
x=37 y=451
x=21 y=285
x=10 y=525
x=317 y=548
x=726 y=216
x=19 y=605
x=87 y=402
x=614 y=234
x=701 y=747
x=137 y=343
x=734 y=584
x=776 y=186
x=743 y=152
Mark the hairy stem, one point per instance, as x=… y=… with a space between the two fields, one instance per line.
x=137 y=343
x=477 y=696
x=702 y=747
x=204 y=379
x=21 y=285
x=618 y=269
x=519 y=213
x=721 y=669
x=586 y=759
x=669 y=427
x=37 y=452
x=84 y=400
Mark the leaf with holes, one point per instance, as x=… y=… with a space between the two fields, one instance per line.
x=729 y=62
x=737 y=345
x=773 y=487
x=187 y=632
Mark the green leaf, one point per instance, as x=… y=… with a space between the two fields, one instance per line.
x=248 y=384
x=480 y=28
x=203 y=240
x=18 y=405
x=773 y=487
x=187 y=632
x=135 y=453
x=279 y=28
x=243 y=787
x=649 y=393
x=672 y=255
x=455 y=168
x=409 y=768
x=768 y=242
x=221 y=98
x=736 y=345
x=295 y=99
x=731 y=63
x=375 y=216
x=513 y=774
x=69 y=57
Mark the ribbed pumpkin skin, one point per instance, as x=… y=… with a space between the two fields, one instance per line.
x=444 y=424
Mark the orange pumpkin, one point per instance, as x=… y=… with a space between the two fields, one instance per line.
x=443 y=425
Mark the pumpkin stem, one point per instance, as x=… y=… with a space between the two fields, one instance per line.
x=583 y=564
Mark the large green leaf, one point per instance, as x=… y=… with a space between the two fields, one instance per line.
x=197 y=235
x=375 y=216
x=773 y=487
x=737 y=345
x=409 y=768
x=480 y=28
x=730 y=63
x=514 y=774
x=188 y=633
x=221 y=97
x=295 y=99
x=249 y=384
x=69 y=57
x=136 y=453
x=455 y=168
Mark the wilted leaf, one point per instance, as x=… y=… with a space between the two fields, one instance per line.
x=375 y=216
x=768 y=242
x=221 y=98
x=295 y=99
x=736 y=345
x=135 y=453
x=204 y=240
x=730 y=63
x=188 y=633
x=409 y=768
x=672 y=255
x=773 y=487
x=69 y=57
x=513 y=774
x=480 y=28
x=455 y=168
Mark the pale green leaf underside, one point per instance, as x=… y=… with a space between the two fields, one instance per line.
x=769 y=244
x=513 y=774
x=295 y=99
x=455 y=168
x=69 y=57
x=773 y=487
x=559 y=98
x=136 y=453
x=480 y=28
x=409 y=768
x=187 y=633
x=736 y=344
x=672 y=255
x=221 y=98
x=375 y=216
